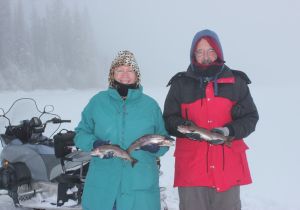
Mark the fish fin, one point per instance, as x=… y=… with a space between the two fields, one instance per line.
x=116 y=145
x=217 y=141
x=130 y=150
x=134 y=161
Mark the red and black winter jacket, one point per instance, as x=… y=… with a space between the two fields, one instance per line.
x=223 y=100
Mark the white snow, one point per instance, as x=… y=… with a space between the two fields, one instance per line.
x=273 y=155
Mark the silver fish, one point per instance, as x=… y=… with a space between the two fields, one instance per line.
x=151 y=139
x=116 y=150
x=204 y=134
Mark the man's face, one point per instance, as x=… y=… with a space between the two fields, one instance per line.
x=204 y=53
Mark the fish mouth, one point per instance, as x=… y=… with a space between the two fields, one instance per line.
x=94 y=154
x=168 y=144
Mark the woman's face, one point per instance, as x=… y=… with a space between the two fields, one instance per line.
x=125 y=75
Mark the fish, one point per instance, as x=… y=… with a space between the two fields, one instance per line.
x=115 y=150
x=200 y=134
x=151 y=139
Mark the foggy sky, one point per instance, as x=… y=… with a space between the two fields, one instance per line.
x=260 y=38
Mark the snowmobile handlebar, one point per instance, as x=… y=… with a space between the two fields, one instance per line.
x=36 y=122
x=30 y=128
x=26 y=128
x=56 y=120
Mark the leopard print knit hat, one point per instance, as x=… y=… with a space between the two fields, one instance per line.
x=125 y=58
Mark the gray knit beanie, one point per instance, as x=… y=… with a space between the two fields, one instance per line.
x=124 y=58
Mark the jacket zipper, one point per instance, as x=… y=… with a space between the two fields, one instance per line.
x=223 y=149
x=186 y=114
x=207 y=151
x=123 y=122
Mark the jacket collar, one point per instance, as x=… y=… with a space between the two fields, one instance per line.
x=133 y=94
x=221 y=76
x=212 y=73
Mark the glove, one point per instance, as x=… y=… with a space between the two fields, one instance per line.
x=153 y=148
x=194 y=136
x=188 y=123
x=221 y=130
x=108 y=155
x=99 y=143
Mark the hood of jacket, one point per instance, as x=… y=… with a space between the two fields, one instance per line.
x=213 y=37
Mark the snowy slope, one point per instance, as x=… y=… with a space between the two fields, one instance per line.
x=273 y=154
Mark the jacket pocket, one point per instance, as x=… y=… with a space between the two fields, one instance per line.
x=145 y=176
x=239 y=146
x=190 y=161
x=103 y=173
x=235 y=162
x=185 y=147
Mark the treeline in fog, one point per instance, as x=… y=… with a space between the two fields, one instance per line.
x=46 y=45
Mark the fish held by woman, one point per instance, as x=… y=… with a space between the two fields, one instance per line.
x=151 y=139
x=115 y=151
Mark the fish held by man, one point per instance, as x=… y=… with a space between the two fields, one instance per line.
x=151 y=139
x=197 y=133
x=115 y=151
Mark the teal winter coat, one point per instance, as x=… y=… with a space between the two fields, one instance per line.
x=108 y=117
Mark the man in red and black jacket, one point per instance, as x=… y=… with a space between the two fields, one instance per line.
x=212 y=96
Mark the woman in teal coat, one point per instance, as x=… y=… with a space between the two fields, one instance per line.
x=120 y=115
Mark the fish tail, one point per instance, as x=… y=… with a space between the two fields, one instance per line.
x=228 y=141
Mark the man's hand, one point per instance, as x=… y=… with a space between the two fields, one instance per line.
x=194 y=136
x=221 y=130
x=224 y=131
x=188 y=123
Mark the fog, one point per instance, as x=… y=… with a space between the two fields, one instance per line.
x=46 y=44
x=258 y=37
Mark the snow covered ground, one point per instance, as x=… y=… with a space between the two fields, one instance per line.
x=273 y=154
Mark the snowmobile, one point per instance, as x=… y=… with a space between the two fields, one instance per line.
x=37 y=171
